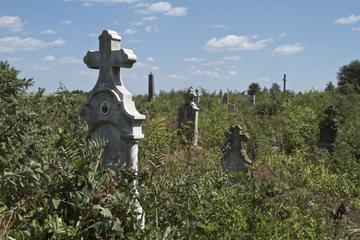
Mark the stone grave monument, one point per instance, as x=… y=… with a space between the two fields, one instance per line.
x=235 y=156
x=189 y=116
x=231 y=108
x=251 y=97
x=151 y=87
x=197 y=99
x=284 y=82
x=110 y=111
x=225 y=98
x=328 y=128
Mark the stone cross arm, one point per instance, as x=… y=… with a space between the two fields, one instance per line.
x=124 y=58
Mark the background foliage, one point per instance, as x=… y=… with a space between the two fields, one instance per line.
x=52 y=185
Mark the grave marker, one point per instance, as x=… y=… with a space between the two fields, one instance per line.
x=235 y=156
x=189 y=117
x=151 y=87
x=109 y=110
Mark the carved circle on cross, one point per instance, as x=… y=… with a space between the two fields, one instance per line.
x=105 y=108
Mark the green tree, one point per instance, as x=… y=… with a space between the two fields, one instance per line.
x=11 y=86
x=349 y=74
x=254 y=88
x=275 y=87
x=330 y=86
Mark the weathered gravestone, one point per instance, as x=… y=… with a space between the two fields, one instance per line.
x=151 y=87
x=188 y=117
x=225 y=98
x=251 y=100
x=328 y=128
x=235 y=156
x=273 y=95
x=197 y=99
x=231 y=107
x=109 y=110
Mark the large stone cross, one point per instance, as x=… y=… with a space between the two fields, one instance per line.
x=109 y=110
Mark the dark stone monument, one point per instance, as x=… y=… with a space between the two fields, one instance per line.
x=235 y=156
x=251 y=97
x=328 y=128
x=151 y=87
x=225 y=99
x=284 y=80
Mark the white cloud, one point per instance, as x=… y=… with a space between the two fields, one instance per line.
x=155 y=68
x=48 y=58
x=205 y=73
x=284 y=34
x=11 y=23
x=61 y=60
x=176 y=77
x=66 y=22
x=12 y=44
x=149 y=18
x=232 y=58
x=14 y=59
x=218 y=26
x=215 y=63
x=129 y=31
x=143 y=65
x=164 y=8
x=177 y=12
x=159 y=7
x=137 y=24
x=356 y=29
x=234 y=43
x=48 y=32
x=289 y=49
x=93 y=34
x=232 y=73
x=137 y=41
x=150 y=59
x=348 y=20
x=141 y=5
x=69 y=60
x=194 y=59
x=87 y=2
x=151 y=28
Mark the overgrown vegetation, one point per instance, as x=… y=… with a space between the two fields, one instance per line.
x=52 y=186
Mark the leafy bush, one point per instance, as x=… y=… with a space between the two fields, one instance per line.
x=53 y=187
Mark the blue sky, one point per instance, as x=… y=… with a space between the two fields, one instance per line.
x=212 y=44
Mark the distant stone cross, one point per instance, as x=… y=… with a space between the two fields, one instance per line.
x=188 y=117
x=235 y=156
x=284 y=80
x=109 y=110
